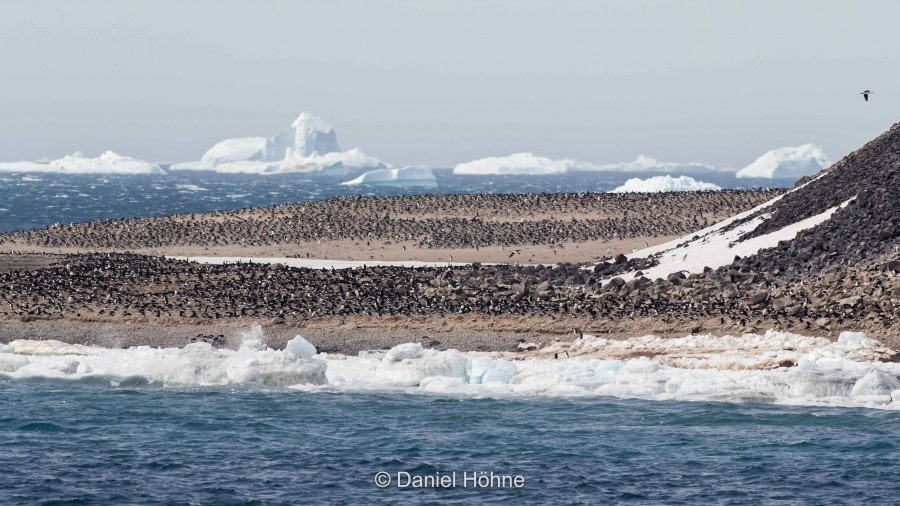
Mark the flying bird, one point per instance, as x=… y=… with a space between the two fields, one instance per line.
x=866 y=94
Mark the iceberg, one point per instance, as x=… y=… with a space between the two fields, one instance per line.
x=658 y=184
x=405 y=176
x=790 y=162
x=309 y=135
x=531 y=165
x=309 y=145
x=519 y=164
x=644 y=163
x=107 y=163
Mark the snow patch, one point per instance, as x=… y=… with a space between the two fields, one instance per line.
x=658 y=184
x=714 y=247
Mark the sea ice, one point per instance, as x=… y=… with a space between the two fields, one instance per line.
x=773 y=367
x=301 y=347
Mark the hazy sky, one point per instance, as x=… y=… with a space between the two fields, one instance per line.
x=438 y=83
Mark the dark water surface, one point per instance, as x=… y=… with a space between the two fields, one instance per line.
x=76 y=443
x=40 y=200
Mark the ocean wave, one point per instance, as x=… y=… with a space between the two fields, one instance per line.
x=774 y=367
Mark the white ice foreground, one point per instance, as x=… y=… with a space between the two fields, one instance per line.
x=774 y=367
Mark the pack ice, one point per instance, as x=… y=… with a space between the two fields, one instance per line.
x=774 y=367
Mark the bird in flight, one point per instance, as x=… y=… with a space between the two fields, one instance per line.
x=866 y=94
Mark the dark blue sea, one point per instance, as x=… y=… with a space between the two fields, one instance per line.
x=39 y=200
x=76 y=443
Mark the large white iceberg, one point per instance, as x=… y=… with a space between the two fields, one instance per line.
x=644 y=163
x=529 y=164
x=309 y=135
x=658 y=184
x=790 y=162
x=76 y=163
x=520 y=164
x=406 y=176
x=309 y=145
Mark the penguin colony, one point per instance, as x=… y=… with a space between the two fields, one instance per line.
x=430 y=221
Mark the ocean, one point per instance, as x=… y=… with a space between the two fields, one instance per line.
x=198 y=425
x=32 y=200
x=78 y=443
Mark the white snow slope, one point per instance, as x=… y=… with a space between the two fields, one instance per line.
x=107 y=163
x=714 y=247
x=406 y=176
x=658 y=184
x=790 y=162
x=309 y=145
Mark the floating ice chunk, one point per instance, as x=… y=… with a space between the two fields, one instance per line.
x=404 y=351
x=409 y=364
x=486 y=370
x=277 y=370
x=301 y=347
x=196 y=364
x=876 y=386
x=857 y=340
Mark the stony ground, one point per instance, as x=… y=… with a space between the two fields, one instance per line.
x=527 y=228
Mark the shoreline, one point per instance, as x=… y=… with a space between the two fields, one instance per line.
x=352 y=334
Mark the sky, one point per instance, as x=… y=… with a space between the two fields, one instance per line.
x=442 y=82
